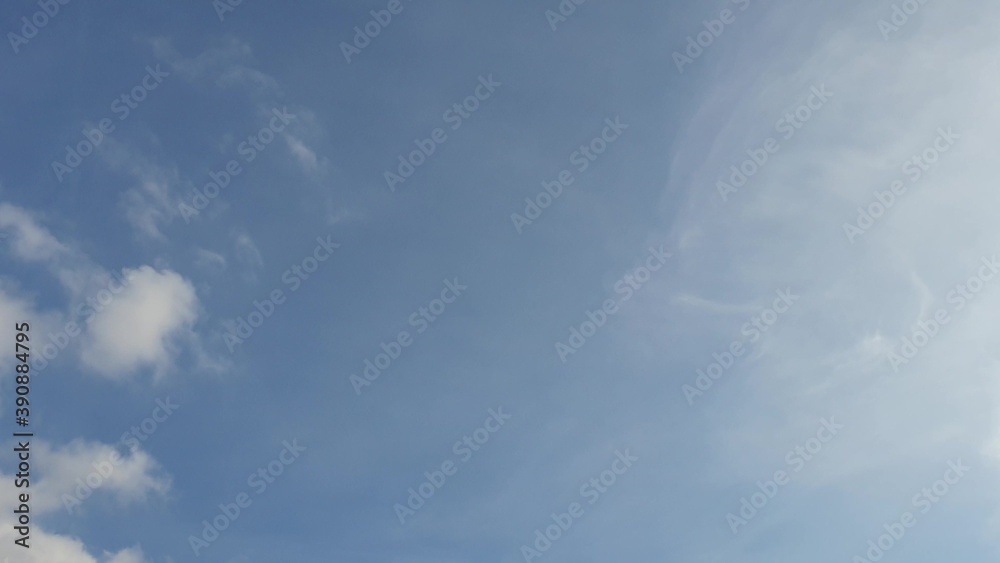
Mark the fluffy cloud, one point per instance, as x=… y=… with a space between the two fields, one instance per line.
x=129 y=555
x=47 y=547
x=29 y=241
x=142 y=326
x=59 y=467
x=129 y=478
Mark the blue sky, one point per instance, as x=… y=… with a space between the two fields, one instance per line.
x=750 y=319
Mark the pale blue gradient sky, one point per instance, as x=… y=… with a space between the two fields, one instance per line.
x=494 y=345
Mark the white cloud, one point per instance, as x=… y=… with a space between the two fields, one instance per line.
x=150 y=204
x=828 y=357
x=141 y=326
x=336 y=216
x=128 y=555
x=59 y=467
x=247 y=251
x=208 y=259
x=47 y=547
x=130 y=478
x=249 y=255
x=30 y=241
x=226 y=65
x=305 y=155
x=44 y=547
